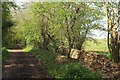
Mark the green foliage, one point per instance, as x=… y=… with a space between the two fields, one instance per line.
x=7 y=23
x=75 y=71
x=5 y=54
x=6 y=17
x=71 y=69
x=77 y=21
x=27 y=29
x=12 y=39
x=48 y=25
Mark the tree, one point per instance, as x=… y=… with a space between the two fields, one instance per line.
x=112 y=22
x=6 y=21
x=51 y=25
x=76 y=20
x=43 y=12
x=6 y=16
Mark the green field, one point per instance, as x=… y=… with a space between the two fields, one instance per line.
x=101 y=45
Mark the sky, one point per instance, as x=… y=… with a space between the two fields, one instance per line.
x=99 y=34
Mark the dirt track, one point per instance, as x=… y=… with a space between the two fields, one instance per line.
x=23 y=65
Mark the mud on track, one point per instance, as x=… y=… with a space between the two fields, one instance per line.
x=23 y=65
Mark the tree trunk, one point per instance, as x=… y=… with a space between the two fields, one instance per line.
x=115 y=52
x=82 y=39
x=114 y=46
x=70 y=44
x=68 y=36
x=70 y=47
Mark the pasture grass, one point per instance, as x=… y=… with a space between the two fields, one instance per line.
x=100 y=47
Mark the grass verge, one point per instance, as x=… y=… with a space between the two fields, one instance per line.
x=72 y=69
x=5 y=54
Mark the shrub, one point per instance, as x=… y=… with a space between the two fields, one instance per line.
x=4 y=54
x=75 y=71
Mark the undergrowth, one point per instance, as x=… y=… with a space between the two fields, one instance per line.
x=5 y=54
x=72 y=69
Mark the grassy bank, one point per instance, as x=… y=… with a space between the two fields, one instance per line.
x=70 y=69
x=5 y=54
